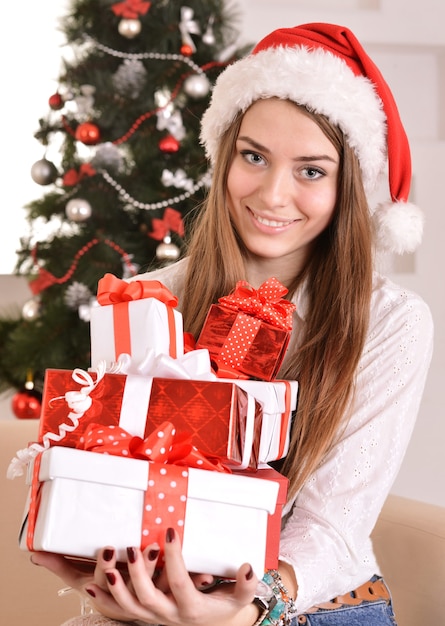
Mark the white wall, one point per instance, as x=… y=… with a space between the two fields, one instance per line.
x=410 y=52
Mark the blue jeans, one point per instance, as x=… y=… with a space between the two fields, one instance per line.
x=370 y=614
x=375 y=613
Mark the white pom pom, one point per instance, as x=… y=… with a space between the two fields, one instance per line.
x=398 y=227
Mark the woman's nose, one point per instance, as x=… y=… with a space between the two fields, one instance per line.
x=277 y=187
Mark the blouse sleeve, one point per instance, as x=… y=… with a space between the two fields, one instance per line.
x=326 y=536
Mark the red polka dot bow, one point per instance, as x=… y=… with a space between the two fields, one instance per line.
x=265 y=303
x=163 y=445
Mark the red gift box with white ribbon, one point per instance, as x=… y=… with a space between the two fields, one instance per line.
x=247 y=333
x=221 y=418
x=134 y=318
x=81 y=500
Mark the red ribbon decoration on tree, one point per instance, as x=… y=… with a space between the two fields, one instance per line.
x=171 y=221
x=112 y=290
x=265 y=303
x=130 y=9
x=73 y=177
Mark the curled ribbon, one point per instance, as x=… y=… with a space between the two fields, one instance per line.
x=163 y=445
x=78 y=401
x=171 y=221
x=112 y=290
x=265 y=303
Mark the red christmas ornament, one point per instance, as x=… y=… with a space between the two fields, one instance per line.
x=186 y=50
x=169 y=144
x=56 y=102
x=88 y=133
x=27 y=404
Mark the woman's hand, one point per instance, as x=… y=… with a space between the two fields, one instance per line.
x=172 y=598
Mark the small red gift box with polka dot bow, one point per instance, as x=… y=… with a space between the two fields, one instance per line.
x=248 y=332
x=87 y=500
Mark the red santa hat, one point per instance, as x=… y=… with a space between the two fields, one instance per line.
x=324 y=68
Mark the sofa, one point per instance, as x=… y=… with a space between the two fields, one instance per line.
x=409 y=541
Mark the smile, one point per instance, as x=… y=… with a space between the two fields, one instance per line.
x=272 y=223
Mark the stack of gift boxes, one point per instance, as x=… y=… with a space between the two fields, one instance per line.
x=157 y=435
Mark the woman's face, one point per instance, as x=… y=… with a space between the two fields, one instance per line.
x=282 y=184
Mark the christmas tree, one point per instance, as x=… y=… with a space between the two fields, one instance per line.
x=126 y=168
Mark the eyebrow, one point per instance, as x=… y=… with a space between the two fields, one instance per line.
x=303 y=159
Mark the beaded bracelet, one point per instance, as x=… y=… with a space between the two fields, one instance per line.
x=282 y=612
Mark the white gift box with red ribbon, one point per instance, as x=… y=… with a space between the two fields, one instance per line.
x=89 y=500
x=278 y=400
x=134 y=318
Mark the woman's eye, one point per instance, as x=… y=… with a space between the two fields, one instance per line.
x=252 y=157
x=312 y=172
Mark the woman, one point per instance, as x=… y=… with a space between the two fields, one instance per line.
x=298 y=133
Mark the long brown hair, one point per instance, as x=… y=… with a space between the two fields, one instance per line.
x=338 y=281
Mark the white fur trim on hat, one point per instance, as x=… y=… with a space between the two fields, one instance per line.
x=398 y=226
x=316 y=79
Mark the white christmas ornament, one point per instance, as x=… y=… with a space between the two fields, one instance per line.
x=167 y=251
x=31 y=310
x=78 y=210
x=197 y=86
x=129 y=28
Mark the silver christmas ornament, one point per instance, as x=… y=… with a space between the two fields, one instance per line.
x=167 y=251
x=78 y=210
x=108 y=157
x=44 y=172
x=76 y=294
x=129 y=28
x=31 y=310
x=130 y=78
x=197 y=86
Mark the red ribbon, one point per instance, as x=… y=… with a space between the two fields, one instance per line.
x=73 y=177
x=130 y=9
x=166 y=496
x=265 y=303
x=171 y=221
x=163 y=445
x=44 y=280
x=112 y=290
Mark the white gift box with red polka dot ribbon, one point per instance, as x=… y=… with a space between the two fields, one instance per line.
x=89 y=500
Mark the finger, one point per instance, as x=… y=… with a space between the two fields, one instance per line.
x=245 y=585
x=148 y=604
x=106 y=559
x=181 y=585
x=141 y=569
x=63 y=568
x=204 y=582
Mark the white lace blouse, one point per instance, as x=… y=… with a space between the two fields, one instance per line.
x=326 y=536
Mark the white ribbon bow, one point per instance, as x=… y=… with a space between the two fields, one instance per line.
x=188 y=26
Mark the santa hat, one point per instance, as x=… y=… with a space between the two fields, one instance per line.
x=324 y=68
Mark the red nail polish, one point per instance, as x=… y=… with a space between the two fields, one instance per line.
x=131 y=555
x=91 y=592
x=108 y=554
x=170 y=535
x=153 y=554
x=249 y=574
x=111 y=577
